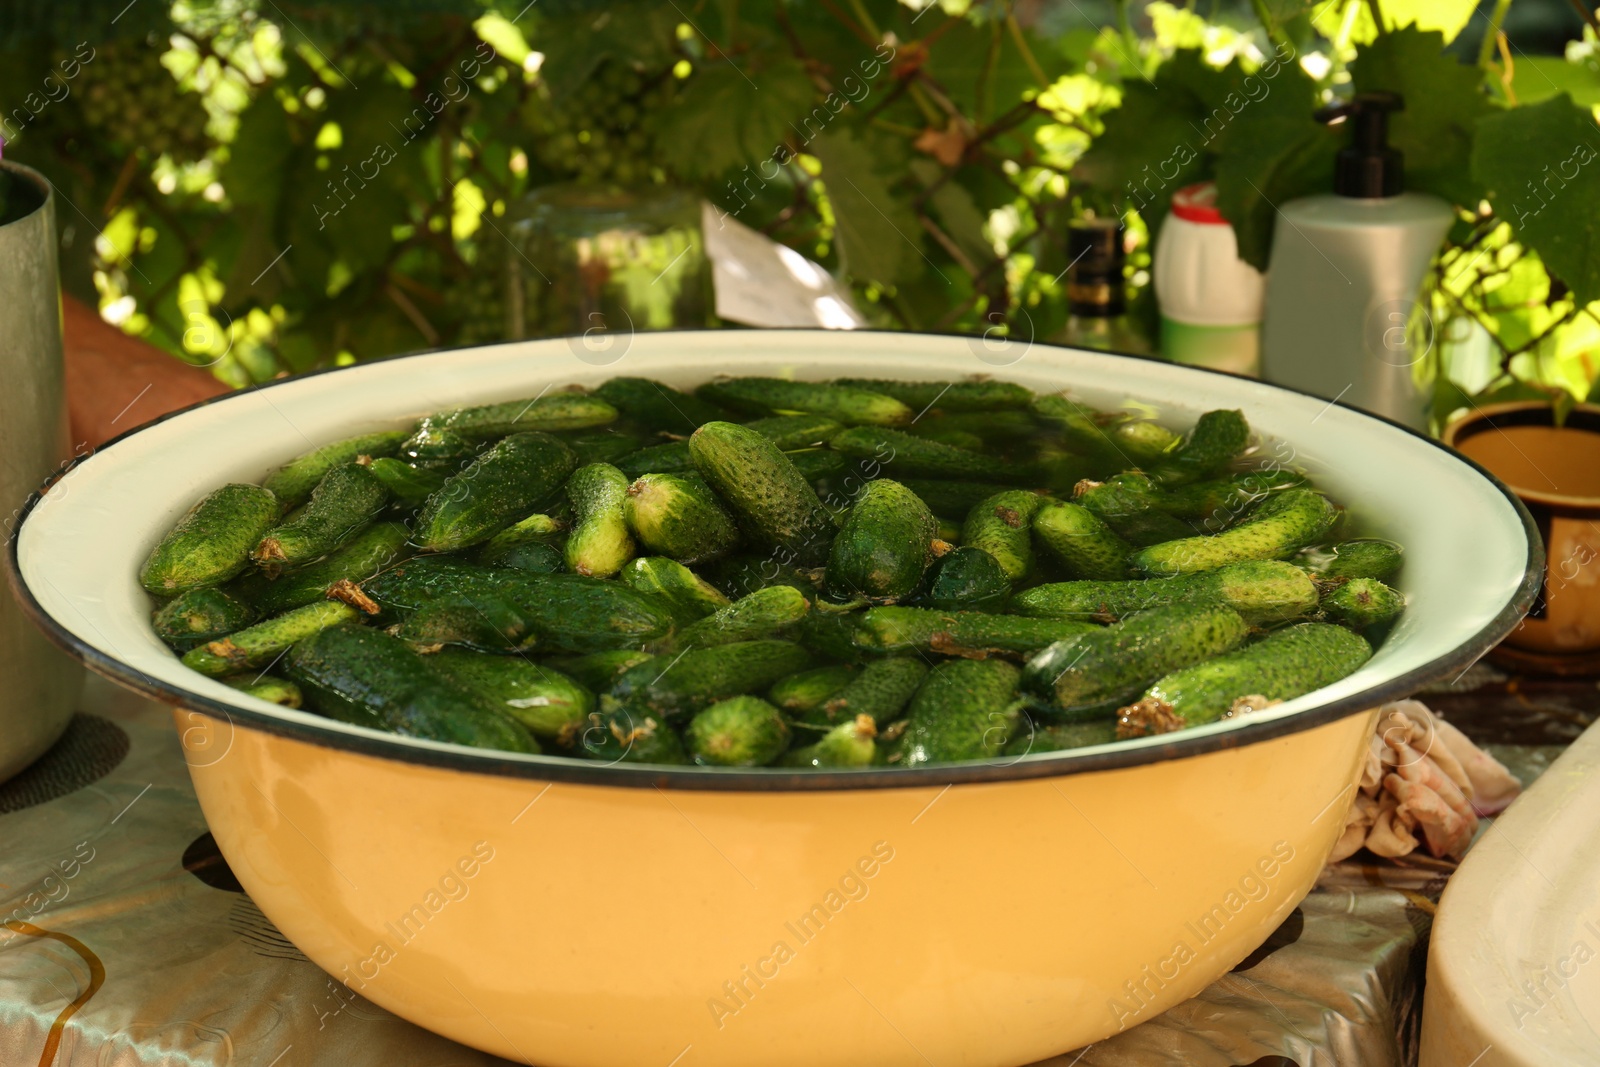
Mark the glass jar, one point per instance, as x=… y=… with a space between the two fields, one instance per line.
x=602 y=262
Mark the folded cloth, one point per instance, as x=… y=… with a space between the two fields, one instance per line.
x=1423 y=783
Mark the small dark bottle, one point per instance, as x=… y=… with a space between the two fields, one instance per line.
x=1097 y=299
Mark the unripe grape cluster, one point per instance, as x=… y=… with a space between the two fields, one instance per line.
x=128 y=98
x=596 y=133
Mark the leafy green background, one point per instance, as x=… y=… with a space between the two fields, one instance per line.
x=310 y=184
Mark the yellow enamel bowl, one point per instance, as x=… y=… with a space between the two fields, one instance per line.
x=575 y=915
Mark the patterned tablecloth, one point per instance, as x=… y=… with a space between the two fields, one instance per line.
x=127 y=941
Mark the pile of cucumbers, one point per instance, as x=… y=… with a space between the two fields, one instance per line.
x=775 y=573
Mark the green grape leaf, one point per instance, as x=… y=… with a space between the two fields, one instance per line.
x=577 y=39
x=953 y=209
x=875 y=230
x=260 y=150
x=1449 y=17
x=1158 y=140
x=1272 y=152
x=1444 y=101
x=1536 y=78
x=983 y=72
x=1539 y=166
x=727 y=118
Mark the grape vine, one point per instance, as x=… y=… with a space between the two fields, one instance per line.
x=930 y=154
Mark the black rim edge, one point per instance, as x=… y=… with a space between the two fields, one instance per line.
x=705 y=779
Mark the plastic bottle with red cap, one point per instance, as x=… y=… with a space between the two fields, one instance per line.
x=1210 y=299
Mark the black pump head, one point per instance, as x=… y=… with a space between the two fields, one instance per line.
x=1367 y=168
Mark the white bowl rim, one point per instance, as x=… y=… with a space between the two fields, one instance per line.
x=260 y=715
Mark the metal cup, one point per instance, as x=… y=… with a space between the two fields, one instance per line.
x=39 y=684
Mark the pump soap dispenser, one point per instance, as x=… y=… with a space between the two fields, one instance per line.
x=1345 y=269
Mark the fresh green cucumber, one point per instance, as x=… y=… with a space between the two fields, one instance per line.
x=884 y=546
x=958 y=633
x=980 y=395
x=407 y=484
x=1129 y=504
x=212 y=542
x=690 y=596
x=547 y=413
x=850 y=744
x=366 y=677
x=996 y=428
x=530 y=544
x=259 y=645
x=600 y=542
x=906 y=453
x=367 y=553
x=839 y=402
x=949 y=497
x=345 y=502
x=678 y=516
x=502 y=485
x=803 y=690
x=1285 y=664
x=788 y=432
x=669 y=458
x=1286 y=522
x=575 y=614
x=1215 y=441
x=1143 y=441
x=293 y=482
x=818 y=464
x=533 y=556
x=1121 y=494
x=618 y=733
x=567 y=612
x=266 y=687
x=1000 y=526
x=1060 y=736
x=965 y=709
x=764 y=613
x=965 y=579
x=831 y=635
x=742 y=731
x=1363 y=602
x=545 y=701
x=1363 y=558
x=697 y=678
x=484 y=622
x=1088 y=675
x=743 y=574
x=1077 y=537
x=791 y=432
x=879 y=692
x=431 y=447
x=201 y=615
x=657 y=405
x=1226 y=498
x=964 y=439
x=598 y=670
x=1055 y=471
x=1083 y=430
x=603 y=446
x=1262 y=591
x=773 y=500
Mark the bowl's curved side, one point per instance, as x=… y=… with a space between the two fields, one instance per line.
x=590 y=926
x=79 y=547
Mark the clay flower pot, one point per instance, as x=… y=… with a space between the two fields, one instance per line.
x=1556 y=473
